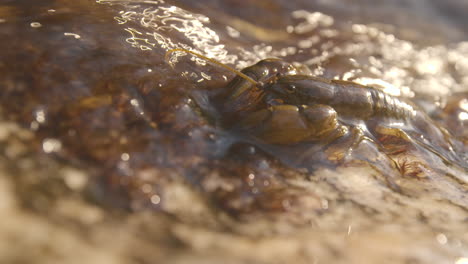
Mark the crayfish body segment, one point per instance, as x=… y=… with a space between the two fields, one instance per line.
x=347 y=98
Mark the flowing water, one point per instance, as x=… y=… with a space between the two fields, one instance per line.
x=101 y=134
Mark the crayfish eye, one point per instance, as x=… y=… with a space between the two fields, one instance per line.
x=290 y=88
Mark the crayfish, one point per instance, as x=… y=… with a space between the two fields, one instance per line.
x=274 y=103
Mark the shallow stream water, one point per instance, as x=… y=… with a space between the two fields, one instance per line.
x=92 y=110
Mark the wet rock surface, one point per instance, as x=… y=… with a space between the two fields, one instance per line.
x=111 y=153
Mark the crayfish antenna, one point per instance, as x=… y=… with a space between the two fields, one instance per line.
x=242 y=75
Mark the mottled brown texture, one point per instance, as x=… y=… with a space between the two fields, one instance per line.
x=108 y=154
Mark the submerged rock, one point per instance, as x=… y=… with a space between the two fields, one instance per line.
x=95 y=120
